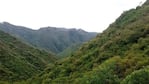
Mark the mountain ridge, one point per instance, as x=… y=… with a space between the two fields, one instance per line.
x=119 y=55
x=19 y=61
x=48 y=38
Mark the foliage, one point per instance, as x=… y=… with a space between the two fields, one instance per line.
x=137 y=77
x=18 y=61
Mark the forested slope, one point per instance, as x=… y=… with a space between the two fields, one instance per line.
x=19 y=61
x=119 y=55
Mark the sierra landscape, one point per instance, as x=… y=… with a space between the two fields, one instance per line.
x=53 y=55
x=48 y=38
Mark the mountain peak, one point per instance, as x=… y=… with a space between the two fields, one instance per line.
x=146 y=3
x=5 y=22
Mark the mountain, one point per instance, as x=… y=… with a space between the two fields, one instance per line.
x=19 y=61
x=48 y=38
x=119 y=55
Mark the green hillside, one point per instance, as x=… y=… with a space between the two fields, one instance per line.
x=51 y=39
x=18 y=61
x=119 y=55
x=69 y=50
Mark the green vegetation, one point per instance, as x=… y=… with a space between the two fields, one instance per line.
x=119 y=55
x=18 y=61
x=51 y=39
x=69 y=51
x=139 y=76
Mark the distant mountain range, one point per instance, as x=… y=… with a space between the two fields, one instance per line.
x=119 y=55
x=51 y=39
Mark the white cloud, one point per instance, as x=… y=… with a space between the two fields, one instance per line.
x=91 y=15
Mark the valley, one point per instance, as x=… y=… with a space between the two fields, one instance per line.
x=118 y=55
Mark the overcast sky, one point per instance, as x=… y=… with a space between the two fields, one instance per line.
x=90 y=15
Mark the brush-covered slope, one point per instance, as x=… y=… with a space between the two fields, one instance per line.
x=49 y=38
x=69 y=51
x=119 y=55
x=19 y=61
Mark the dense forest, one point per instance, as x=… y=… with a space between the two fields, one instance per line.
x=119 y=55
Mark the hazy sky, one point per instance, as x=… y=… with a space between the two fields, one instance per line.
x=90 y=15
